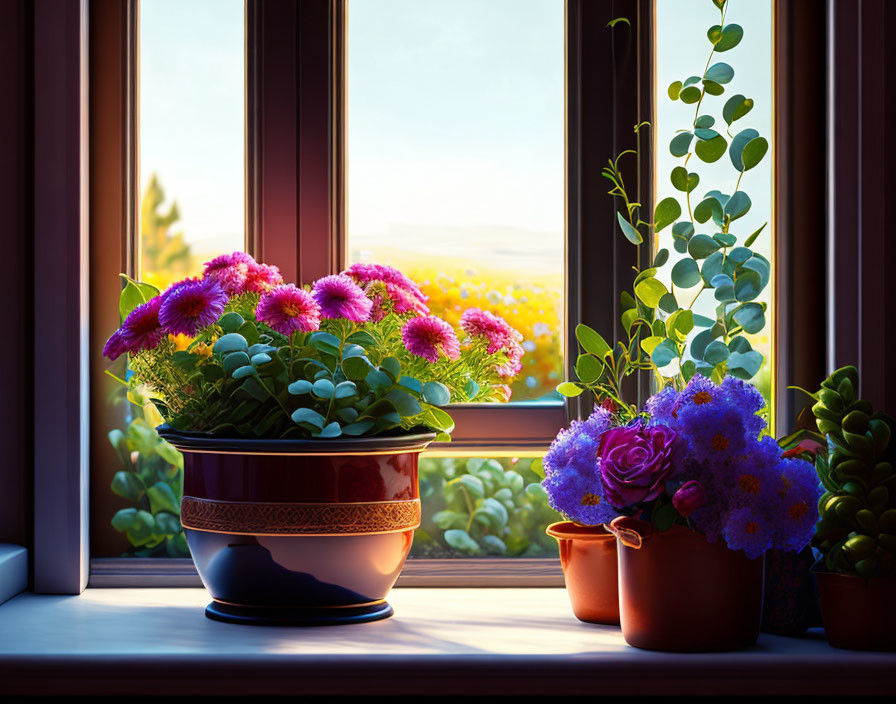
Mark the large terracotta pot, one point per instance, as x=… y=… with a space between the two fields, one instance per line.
x=858 y=614
x=678 y=592
x=300 y=532
x=588 y=557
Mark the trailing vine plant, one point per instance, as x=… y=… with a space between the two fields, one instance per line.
x=717 y=259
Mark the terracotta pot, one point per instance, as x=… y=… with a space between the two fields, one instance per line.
x=858 y=614
x=588 y=557
x=299 y=532
x=678 y=592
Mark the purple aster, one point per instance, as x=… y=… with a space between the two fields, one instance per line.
x=747 y=530
x=340 y=297
x=287 y=309
x=578 y=443
x=191 y=306
x=580 y=497
x=141 y=330
x=799 y=492
x=428 y=336
x=663 y=406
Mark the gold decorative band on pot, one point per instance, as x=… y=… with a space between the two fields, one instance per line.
x=299 y=519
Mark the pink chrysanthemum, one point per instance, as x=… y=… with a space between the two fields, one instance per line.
x=261 y=278
x=230 y=270
x=141 y=330
x=389 y=289
x=192 y=305
x=366 y=273
x=428 y=336
x=513 y=365
x=287 y=309
x=480 y=323
x=340 y=297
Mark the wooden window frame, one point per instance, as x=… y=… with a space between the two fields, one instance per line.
x=295 y=98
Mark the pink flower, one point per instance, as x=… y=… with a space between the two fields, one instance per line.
x=192 y=305
x=141 y=330
x=287 y=309
x=635 y=462
x=480 y=323
x=261 y=278
x=428 y=336
x=513 y=366
x=689 y=498
x=389 y=289
x=230 y=270
x=506 y=392
x=340 y=297
x=366 y=273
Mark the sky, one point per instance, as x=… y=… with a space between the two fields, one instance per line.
x=192 y=103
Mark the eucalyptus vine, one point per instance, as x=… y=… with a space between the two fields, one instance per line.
x=718 y=259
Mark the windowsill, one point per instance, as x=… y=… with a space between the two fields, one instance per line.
x=446 y=641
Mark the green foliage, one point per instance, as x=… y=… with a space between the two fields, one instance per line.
x=856 y=531
x=151 y=480
x=479 y=507
x=660 y=332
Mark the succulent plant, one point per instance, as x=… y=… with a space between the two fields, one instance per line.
x=856 y=531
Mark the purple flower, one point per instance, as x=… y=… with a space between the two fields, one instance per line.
x=572 y=471
x=799 y=491
x=663 y=406
x=428 y=336
x=635 y=462
x=287 y=309
x=141 y=330
x=746 y=529
x=192 y=305
x=115 y=346
x=230 y=270
x=340 y=297
x=689 y=498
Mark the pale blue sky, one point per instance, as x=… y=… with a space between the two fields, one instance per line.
x=192 y=102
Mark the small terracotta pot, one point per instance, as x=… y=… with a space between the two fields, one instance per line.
x=858 y=614
x=680 y=593
x=588 y=557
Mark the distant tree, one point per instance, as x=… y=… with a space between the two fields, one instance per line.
x=165 y=255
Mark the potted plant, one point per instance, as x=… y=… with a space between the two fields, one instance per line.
x=856 y=533
x=301 y=413
x=698 y=497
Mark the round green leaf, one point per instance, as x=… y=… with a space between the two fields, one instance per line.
x=724 y=287
x=711 y=150
x=650 y=291
x=716 y=352
x=674 y=90
x=705 y=122
x=231 y=342
x=231 y=322
x=302 y=386
x=461 y=541
x=685 y=273
x=435 y=393
x=747 y=285
x=681 y=143
x=713 y=88
x=740 y=343
x=667 y=212
x=669 y=303
x=736 y=107
x=738 y=144
x=356 y=368
x=404 y=403
x=679 y=178
x=683 y=229
x=751 y=317
x=664 y=353
x=730 y=37
x=753 y=152
x=260 y=358
x=719 y=73
x=323 y=388
x=588 y=368
x=345 y=389
x=701 y=246
x=689 y=95
x=738 y=205
x=331 y=430
x=744 y=365
x=661 y=257
x=726 y=239
x=309 y=416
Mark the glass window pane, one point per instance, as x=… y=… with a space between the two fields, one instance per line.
x=483 y=507
x=455 y=143
x=682 y=51
x=191 y=135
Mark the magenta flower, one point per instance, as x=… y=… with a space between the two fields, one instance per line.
x=389 y=289
x=287 y=309
x=513 y=365
x=428 y=336
x=367 y=273
x=141 y=330
x=635 y=462
x=192 y=305
x=480 y=323
x=689 y=498
x=230 y=270
x=340 y=297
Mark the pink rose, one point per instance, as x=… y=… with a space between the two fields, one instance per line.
x=689 y=498
x=635 y=462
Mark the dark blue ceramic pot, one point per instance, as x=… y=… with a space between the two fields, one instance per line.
x=299 y=532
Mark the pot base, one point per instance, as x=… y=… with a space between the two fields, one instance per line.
x=285 y=616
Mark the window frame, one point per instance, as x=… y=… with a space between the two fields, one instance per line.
x=295 y=98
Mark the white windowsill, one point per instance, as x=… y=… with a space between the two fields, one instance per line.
x=446 y=641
